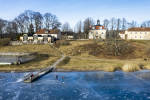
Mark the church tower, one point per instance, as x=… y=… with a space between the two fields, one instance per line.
x=98 y=22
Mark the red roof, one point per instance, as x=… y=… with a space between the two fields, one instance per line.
x=97 y=27
x=45 y=31
x=139 y=29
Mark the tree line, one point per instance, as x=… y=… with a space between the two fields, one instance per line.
x=112 y=25
x=29 y=22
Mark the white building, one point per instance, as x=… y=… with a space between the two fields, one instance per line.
x=97 y=31
x=42 y=36
x=54 y=33
x=136 y=34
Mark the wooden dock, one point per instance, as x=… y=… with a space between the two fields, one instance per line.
x=32 y=77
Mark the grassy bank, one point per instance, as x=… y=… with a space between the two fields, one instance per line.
x=46 y=55
x=110 y=65
x=82 y=60
x=82 y=56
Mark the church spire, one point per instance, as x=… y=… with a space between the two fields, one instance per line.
x=98 y=22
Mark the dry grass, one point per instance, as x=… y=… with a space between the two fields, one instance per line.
x=131 y=67
x=86 y=62
x=82 y=62
x=67 y=49
x=41 y=49
x=147 y=66
x=40 y=62
x=65 y=61
x=109 y=65
x=4 y=42
x=99 y=49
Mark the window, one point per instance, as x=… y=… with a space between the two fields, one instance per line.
x=39 y=35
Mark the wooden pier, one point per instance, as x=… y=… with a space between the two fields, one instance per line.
x=32 y=77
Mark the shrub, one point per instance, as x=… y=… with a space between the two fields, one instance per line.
x=117 y=47
x=4 y=42
x=65 y=61
x=147 y=52
x=61 y=43
x=131 y=67
x=92 y=49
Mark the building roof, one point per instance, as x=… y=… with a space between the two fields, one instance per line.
x=98 y=26
x=139 y=29
x=45 y=31
x=121 y=32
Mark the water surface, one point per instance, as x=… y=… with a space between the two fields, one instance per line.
x=77 y=86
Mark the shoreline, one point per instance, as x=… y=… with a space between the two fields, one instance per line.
x=62 y=70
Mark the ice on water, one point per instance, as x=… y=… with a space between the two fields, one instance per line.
x=77 y=86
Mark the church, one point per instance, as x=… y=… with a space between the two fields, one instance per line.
x=97 y=31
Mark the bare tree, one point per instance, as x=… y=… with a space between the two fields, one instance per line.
x=47 y=20
x=20 y=21
x=55 y=22
x=78 y=29
x=145 y=24
x=29 y=17
x=118 y=24
x=87 y=24
x=14 y=27
x=106 y=23
x=51 y=21
x=118 y=47
x=38 y=20
x=132 y=24
x=31 y=29
x=113 y=23
x=124 y=24
x=66 y=27
x=2 y=25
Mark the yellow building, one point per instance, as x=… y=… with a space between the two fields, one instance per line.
x=136 y=33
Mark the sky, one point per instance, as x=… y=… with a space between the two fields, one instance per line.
x=73 y=11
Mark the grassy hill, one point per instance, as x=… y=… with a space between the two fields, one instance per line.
x=87 y=55
x=92 y=55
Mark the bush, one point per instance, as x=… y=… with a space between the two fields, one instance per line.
x=4 y=42
x=147 y=52
x=131 y=67
x=61 y=43
x=92 y=49
x=118 y=48
x=65 y=61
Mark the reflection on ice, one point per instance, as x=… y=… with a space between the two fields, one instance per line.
x=144 y=75
x=77 y=86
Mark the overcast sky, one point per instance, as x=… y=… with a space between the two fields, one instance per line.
x=74 y=10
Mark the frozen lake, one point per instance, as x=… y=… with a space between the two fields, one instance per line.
x=77 y=86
